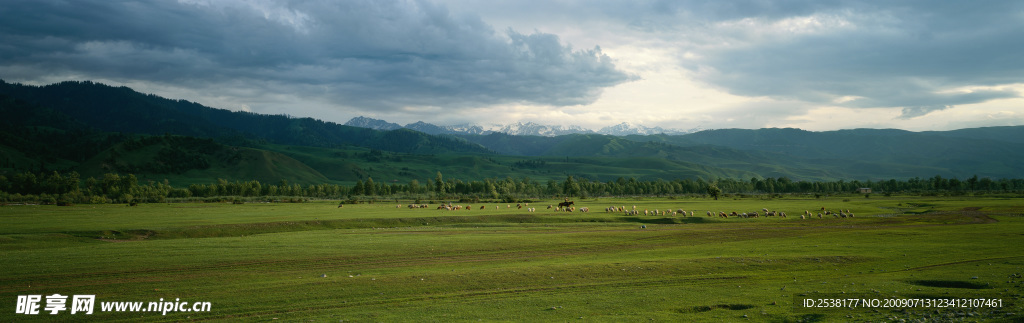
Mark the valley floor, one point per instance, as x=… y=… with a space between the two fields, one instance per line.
x=387 y=262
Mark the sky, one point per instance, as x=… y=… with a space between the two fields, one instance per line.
x=678 y=64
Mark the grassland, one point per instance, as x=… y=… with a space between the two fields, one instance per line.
x=375 y=262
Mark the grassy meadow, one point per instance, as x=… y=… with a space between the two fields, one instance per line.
x=378 y=262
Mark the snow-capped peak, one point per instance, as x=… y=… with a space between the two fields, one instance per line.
x=364 y=122
x=516 y=129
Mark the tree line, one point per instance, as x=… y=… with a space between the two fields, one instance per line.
x=69 y=188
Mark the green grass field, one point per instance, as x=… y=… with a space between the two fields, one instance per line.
x=375 y=262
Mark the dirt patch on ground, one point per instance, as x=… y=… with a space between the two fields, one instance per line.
x=976 y=215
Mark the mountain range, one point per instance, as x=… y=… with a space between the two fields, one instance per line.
x=515 y=129
x=94 y=128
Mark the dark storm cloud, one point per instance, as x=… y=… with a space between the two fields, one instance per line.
x=373 y=54
x=907 y=54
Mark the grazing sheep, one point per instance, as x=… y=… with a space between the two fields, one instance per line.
x=803 y=216
x=709 y=213
x=819 y=215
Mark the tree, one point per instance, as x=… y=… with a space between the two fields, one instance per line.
x=439 y=185
x=570 y=187
x=972 y=183
x=369 y=187
x=714 y=191
x=358 y=189
x=414 y=186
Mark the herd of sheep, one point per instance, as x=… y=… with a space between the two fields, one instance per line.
x=656 y=212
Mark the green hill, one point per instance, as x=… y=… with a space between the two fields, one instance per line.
x=94 y=129
x=123 y=110
x=185 y=160
x=881 y=153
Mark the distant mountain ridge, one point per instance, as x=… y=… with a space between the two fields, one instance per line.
x=515 y=129
x=375 y=124
x=121 y=109
x=95 y=128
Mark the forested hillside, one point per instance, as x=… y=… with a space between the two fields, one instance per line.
x=120 y=109
x=95 y=129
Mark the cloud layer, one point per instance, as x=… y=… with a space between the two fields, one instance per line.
x=377 y=55
x=913 y=55
x=912 y=64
